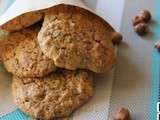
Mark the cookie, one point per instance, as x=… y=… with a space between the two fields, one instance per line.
x=23 y=21
x=22 y=56
x=56 y=95
x=77 y=39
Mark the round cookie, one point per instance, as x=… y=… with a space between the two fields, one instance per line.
x=22 y=21
x=56 y=95
x=76 y=38
x=22 y=56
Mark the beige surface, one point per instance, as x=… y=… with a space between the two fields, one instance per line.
x=131 y=87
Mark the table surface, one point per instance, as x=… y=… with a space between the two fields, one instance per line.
x=108 y=9
x=131 y=85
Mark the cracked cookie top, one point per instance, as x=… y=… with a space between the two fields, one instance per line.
x=77 y=39
x=22 y=56
x=56 y=95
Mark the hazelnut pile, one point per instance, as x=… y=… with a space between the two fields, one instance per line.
x=140 y=22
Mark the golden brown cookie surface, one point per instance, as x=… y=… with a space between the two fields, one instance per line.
x=23 y=57
x=56 y=95
x=22 y=21
x=76 y=38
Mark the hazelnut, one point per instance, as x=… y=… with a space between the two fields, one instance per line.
x=137 y=19
x=146 y=15
x=157 y=45
x=117 y=38
x=122 y=114
x=141 y=29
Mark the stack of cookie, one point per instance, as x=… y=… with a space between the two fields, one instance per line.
x=52 y=64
